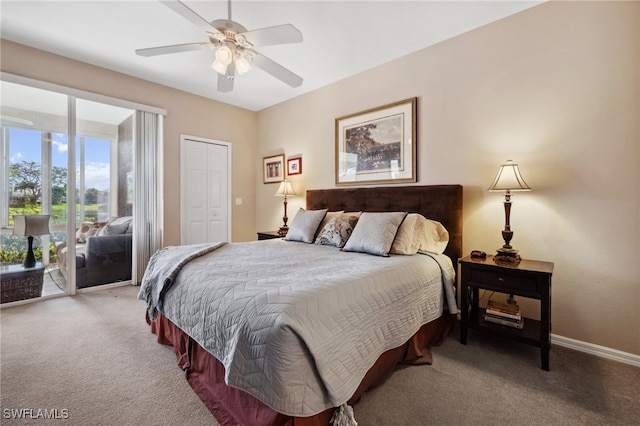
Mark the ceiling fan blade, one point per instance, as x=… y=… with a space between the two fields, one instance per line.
x=277 y=70
x=280 y=34
x=224 y=84
x=188 y=14
x=176 y=48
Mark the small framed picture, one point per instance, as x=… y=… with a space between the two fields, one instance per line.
x=294 y=166
x=273 y=169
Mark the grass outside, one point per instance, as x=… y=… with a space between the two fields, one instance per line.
x=13 y=249
x=58 y=212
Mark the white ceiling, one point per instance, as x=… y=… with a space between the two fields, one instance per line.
x=341 y=38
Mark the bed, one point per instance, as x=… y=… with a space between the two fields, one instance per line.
x=270 y=332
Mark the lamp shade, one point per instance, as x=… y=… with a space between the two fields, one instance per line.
x=285 y=190
x=509 y=179
x=32 y=224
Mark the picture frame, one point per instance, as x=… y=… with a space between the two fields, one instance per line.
x=377 y=145
x=273 y=169
x=294 y=166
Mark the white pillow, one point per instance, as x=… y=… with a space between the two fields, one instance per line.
x=435 y=238
x=374 y=233
x=304 y=225
x=420 y=234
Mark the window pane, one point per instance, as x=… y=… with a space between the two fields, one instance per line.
x=25 y=172
x=60 y=146
x=94 y=179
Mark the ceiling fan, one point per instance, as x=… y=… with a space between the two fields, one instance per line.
x=234 y=46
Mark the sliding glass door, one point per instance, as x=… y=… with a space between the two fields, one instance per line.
x=33 y=182
x=82 y=186
x=104 y=165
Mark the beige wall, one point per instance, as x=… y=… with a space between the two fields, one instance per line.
x=186 y=114
x=554 y=88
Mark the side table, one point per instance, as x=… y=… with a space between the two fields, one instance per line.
x=20 y=283
x=529 y=278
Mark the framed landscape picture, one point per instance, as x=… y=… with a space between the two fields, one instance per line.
x=273 y=169
x=377 y=145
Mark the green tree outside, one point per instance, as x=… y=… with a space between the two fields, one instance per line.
x=25 y=177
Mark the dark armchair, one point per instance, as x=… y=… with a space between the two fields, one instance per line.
x=103 y=258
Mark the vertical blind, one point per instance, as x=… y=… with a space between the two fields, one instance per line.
x=147 y=206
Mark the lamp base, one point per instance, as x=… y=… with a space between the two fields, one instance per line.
x=507 y=255
x=30 y=259
x=283 y=231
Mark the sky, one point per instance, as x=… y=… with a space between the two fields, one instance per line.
x=25 y=145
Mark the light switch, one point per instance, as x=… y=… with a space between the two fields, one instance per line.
x=238 y=201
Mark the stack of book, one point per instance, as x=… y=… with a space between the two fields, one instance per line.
x=504 y=313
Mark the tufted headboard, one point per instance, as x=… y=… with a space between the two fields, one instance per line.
x=437 y=202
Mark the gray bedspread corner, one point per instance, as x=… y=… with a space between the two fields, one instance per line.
x=448 y=279
x=163 y=267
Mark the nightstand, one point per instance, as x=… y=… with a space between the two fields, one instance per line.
x=529 y=278
x=268 y=235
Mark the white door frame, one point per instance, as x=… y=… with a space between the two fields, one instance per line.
x=185 y=139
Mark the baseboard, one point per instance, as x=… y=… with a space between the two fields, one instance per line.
x=597 y=350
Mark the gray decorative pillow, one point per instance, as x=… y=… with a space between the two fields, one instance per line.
x=305 y=224
x=115 y=221
x=115 y=229
x=338 y=230
x=375 y=233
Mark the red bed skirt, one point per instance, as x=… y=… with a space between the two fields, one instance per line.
x=233 y=407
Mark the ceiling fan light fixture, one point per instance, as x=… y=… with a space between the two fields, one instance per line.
x=218 y=67
x=224 y=55
x=243 y=60
x=224 y=58
x=242 y=65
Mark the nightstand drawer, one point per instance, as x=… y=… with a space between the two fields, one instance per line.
x=500 y=279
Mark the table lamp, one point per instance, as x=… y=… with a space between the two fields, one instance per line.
x=285 y=190
x=28 y=225
x=508 y=179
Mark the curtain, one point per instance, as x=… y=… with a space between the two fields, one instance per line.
x=147 y=206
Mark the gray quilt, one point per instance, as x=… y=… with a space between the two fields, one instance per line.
x=298 y=325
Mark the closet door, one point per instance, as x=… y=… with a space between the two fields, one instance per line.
x=205 y=170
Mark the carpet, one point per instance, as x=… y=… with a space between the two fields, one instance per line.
x=92 y=360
